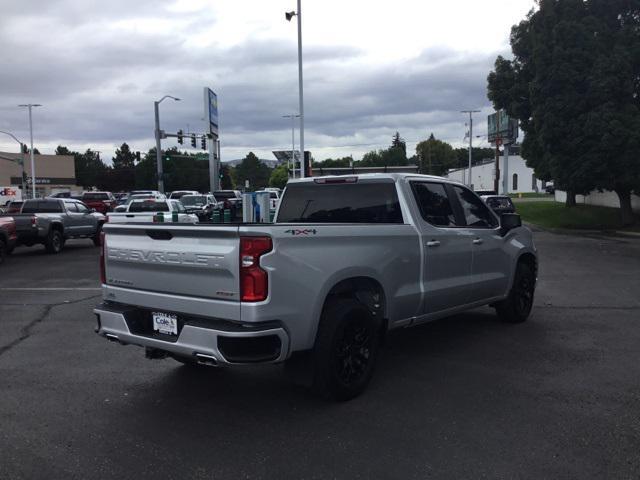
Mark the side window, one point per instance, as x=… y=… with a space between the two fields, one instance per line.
x=71 y=207
x=434 y=204
x=82 y=208
x=476 y=213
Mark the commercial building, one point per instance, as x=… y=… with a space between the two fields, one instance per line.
x=522 y=179
x=54 y=173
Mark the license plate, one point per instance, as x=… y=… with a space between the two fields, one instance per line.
x=166 y=323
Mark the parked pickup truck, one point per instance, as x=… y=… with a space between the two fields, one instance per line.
x=148 y=210
x=8 y=236
x=347 y=259
x=52 y=221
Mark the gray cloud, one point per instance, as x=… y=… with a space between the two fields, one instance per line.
x=98 y=85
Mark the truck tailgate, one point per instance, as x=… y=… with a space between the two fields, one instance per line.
x=179 y=260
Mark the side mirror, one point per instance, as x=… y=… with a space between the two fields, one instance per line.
x=120 y=208
x=509 y=221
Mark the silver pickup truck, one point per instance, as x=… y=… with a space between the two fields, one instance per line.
x=53 y=221
x=347 y=259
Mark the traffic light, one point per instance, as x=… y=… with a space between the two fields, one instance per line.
x=137 y=156
x=193 y=140
x=203 y=142
x=180 y=139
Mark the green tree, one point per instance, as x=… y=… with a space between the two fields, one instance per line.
x=398 y=142
x=573 y=84
x=279 y=176
x=90 y=169
x=124 y=159
x=252 y=169
x=477 y=155
x=334 y=162
x=435 y=156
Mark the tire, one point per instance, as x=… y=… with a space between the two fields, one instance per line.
x=3 y=250
x=55 y=241
x=96 y=237
x=345 y=350
x=517 y=306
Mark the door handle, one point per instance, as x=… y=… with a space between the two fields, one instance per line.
x=433 y=243
x=477 y=241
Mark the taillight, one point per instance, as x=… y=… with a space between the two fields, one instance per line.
x=34 y=221
x=103 y=273
x=254 y=280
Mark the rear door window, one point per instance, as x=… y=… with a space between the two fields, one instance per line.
x=434 y=204
x=340 y=203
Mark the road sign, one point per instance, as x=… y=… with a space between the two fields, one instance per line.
x=202 y=156
x=211 y=111
x=501 y=129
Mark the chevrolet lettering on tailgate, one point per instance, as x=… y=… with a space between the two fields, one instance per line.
x=159 y=256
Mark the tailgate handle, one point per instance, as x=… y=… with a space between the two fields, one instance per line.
x=159 y=234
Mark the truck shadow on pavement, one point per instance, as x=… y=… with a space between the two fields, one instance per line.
x=444 y=359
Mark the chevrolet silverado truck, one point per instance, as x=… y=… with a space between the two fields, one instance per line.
x=52 y=221
x=347 y=259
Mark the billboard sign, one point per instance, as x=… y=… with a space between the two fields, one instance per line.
x=211 y=111
x=501 y=129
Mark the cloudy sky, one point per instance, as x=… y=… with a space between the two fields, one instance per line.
x=371 y=67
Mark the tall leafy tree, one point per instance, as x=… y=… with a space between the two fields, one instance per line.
x=435 y=157
x=574 y=84
x=279 y=176
x=252 y=169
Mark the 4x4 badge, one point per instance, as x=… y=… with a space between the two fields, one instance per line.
x=305 y=231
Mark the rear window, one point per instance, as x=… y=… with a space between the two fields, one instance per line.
x=150 y=206
x=95 y=196
x=42 y=206
x=341 y=203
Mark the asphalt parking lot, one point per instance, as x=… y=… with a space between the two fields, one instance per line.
x=465 y=397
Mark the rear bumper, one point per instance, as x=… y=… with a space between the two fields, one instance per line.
x=227 y=342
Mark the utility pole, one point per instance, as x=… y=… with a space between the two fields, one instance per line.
x=470 y=112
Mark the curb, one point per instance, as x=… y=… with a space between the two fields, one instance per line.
x=578 y=232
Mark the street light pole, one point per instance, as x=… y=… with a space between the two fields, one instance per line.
x=300 y=92
x=288 y=16
x=33 y=163
x=470 y=112
x=156 y=109
x=293 y=145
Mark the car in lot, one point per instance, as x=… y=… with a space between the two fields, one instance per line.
x=499 y=203
x=232 y=200
x=9 y=194
x=347 y=259
x=102 y=202
x=52 y=221
x=152 y=210
x=202 y=206
x=8 y=237
x=178 y=194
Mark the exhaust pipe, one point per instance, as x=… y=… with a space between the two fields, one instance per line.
x=111 y=337
x=204 y=359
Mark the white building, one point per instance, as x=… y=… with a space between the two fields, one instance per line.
x=521 y=178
